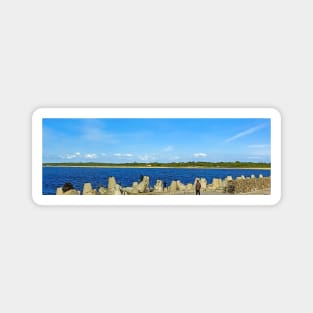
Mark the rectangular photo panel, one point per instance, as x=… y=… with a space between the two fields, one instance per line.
x=156 y=156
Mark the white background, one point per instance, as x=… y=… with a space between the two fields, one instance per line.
x=214 y=259
x=164 y=112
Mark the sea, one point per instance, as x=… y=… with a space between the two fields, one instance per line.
x=54 y=177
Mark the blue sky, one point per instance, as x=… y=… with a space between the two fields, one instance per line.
x=156 y=140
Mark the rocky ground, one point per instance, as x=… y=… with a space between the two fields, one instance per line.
x=239 y=186
x=179 y=193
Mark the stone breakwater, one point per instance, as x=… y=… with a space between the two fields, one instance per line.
x=240 y=185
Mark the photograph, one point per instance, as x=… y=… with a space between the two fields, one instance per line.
x=178 y=153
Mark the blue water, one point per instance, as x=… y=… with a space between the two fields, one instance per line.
x=54 y=177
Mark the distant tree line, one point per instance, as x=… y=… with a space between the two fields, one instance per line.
x=236 y=164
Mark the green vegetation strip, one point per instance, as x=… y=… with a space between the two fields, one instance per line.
x=236 y=164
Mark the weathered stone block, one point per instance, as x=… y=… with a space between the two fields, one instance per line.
x=143 y=186
x=180 y=186
x=158 y=187
x=87 y=189
x=173 y=186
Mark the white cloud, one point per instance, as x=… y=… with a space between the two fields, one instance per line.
x=245 y=133
x=69 y=156
x=123 y=155
x=200 y=155
x=90 y=156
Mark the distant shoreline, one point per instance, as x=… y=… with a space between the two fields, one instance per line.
x=177 y=167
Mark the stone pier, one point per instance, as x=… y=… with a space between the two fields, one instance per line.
x=239 y=185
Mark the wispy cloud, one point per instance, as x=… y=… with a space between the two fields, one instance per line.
x=200 y=155
x=70 y=156
x=245 y=133
x=123 y=155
